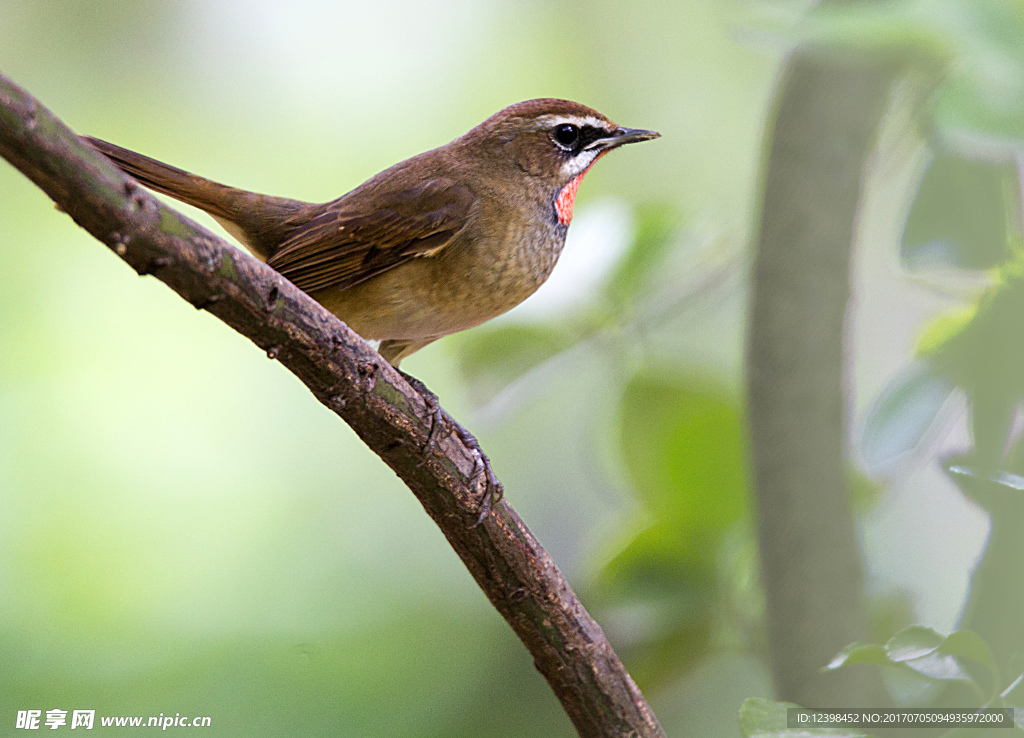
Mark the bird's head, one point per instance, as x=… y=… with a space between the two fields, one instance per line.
x=554 y=143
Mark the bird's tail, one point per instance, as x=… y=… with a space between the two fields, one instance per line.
x=214 y=198
x=260 y=222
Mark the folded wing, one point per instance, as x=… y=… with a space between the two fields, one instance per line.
x=347 y=244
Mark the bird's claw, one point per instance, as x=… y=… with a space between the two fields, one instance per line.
x=493 y=489
x=437 y=428
x=437 y=415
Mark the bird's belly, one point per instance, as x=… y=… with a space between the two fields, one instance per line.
x=455 y=290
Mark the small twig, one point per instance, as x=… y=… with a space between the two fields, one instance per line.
x=351 y=380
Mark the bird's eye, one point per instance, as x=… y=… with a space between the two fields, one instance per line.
x=566 y=135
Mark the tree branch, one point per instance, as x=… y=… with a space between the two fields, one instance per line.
x=354 y=382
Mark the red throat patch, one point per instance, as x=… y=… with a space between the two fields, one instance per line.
x=567 y=197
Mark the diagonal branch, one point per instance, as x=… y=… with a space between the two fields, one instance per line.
x=354 y=382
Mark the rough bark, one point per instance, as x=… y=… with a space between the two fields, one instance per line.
x=826 y=119
x=354 y=382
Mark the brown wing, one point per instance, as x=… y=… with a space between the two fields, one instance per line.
x=349 y=242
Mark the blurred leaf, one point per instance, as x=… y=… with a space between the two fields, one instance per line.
x=658 y=604
x=992 y=411
x=929 y=654
x=993 y=332
x=960 y=215
x=940 y=667
x=916 y=648
x=985 y=356
x=662 y=617
x=763 y=718
x=970 y=48
x=656 y=226
x=966 y=644
x=995 y=603
x=655 y=562
x=981 y=100
x=859 y=653
x=759 y=716
x=894 y=26
x=684 y=448
x=943 y=328
x=490 y=359
x=912 y=643
x=903 y=413
x=991 y=488
x=971 y=117
x=982 y=486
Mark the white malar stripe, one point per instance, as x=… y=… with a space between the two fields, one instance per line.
x=579 y=162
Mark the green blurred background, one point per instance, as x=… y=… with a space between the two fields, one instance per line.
x=184 y=529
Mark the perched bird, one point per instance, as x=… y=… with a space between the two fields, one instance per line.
x=435 y=244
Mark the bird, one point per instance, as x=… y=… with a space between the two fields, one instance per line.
x=431 y=246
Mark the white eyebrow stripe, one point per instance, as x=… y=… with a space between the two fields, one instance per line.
x=545 y=121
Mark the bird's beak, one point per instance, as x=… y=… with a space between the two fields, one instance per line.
x=623 y=136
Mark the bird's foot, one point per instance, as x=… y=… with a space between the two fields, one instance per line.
x=437 y=415
x=493 y=489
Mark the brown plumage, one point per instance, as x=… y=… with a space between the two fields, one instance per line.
x=436 y=244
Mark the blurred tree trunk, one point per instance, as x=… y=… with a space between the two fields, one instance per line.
x=827 y=115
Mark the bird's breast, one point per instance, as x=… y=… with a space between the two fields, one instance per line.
x=524 y=260
x=485 y=272
x=492 y=271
